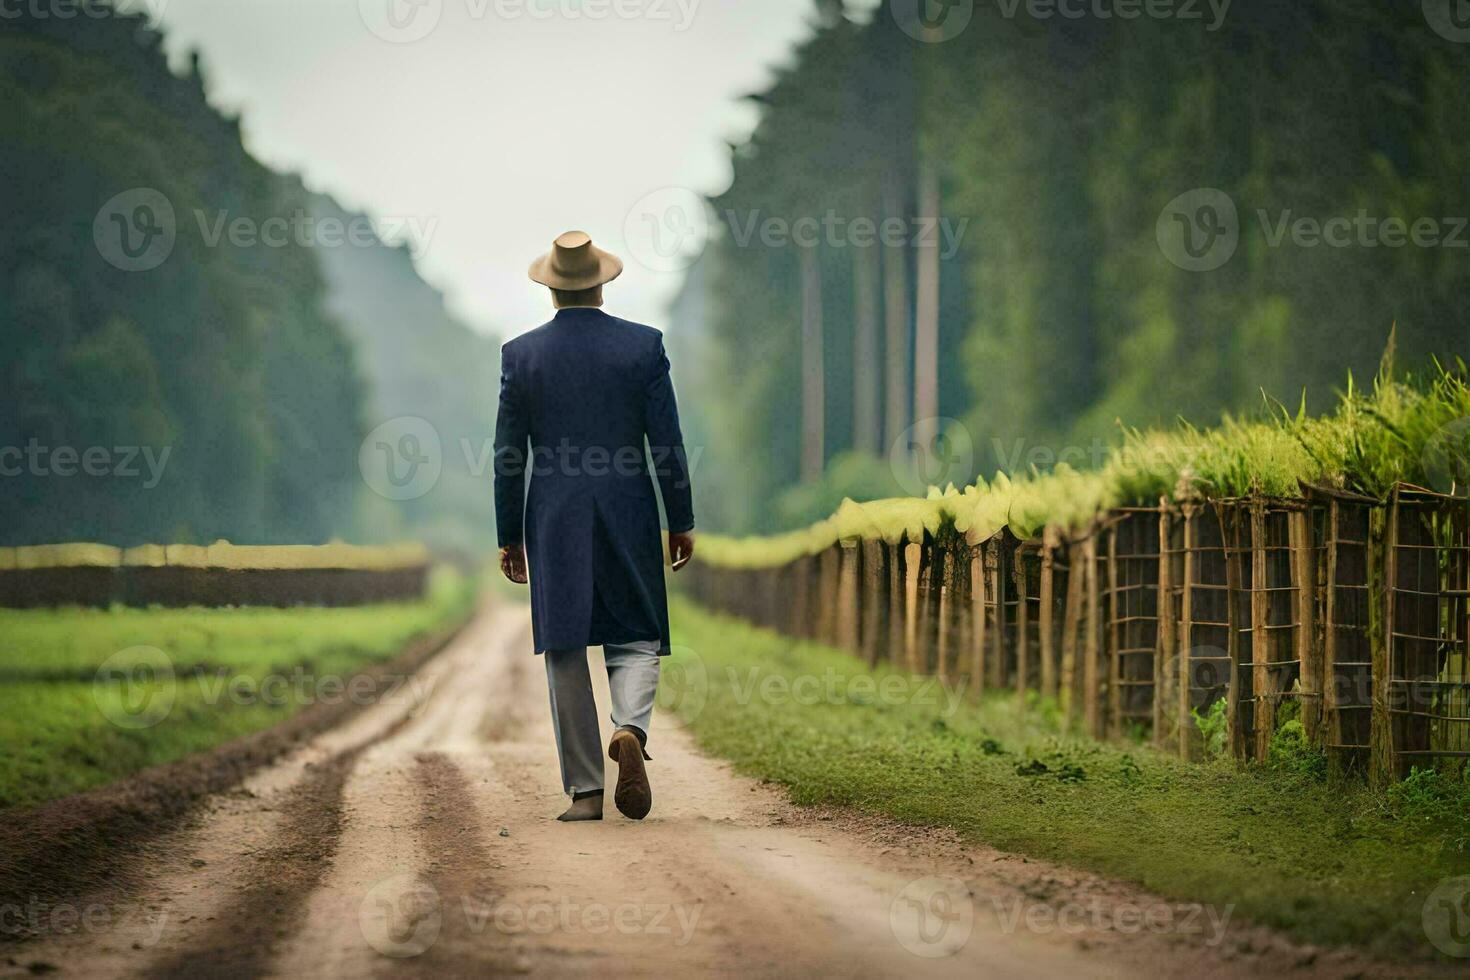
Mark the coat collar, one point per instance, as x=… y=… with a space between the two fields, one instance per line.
x=575 y=312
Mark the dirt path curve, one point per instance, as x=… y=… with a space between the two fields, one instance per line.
x=418 y=839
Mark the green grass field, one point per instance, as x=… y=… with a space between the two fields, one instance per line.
x=1330 y=864
x=88 y=696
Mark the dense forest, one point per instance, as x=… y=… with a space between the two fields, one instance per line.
x=221 y=386
x=1037 y=167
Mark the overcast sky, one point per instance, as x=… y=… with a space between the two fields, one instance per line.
x=482 y=128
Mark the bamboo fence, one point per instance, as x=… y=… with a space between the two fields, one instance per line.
x=1344 y=613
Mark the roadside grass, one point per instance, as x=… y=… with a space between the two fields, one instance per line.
x=85 y=699
x=1327 y=862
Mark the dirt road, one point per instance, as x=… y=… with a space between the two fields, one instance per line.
x=417 y=839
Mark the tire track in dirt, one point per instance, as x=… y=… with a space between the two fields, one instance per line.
x=265 y=909
x=458 y=873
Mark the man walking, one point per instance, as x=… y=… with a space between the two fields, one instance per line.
x=578 y=397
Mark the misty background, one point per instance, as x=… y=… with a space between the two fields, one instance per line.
x=1094 y=221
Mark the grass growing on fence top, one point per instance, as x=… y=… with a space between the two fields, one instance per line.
x=1331 y=864
x=221 y=554
x=1412 y=430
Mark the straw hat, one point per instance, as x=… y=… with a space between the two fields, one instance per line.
x=575 y=263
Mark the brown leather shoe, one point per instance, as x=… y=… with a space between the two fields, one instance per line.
x=585 y=806
x=633 y=796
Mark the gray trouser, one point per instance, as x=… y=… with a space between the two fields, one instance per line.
x=632 y=679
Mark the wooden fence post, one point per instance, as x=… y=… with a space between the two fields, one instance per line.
x=1383 y=760
x=1230 y=535
x=929 y=574
x=1331 y=719
x=997 y=656
x=1091 y=682
x=1023 y=612
x=872 y=599
x=1114 y=641
x=801 y=607
x=1304 y=572
x=847 y=597
x=1263 y=715
x=913 y=554
x=941 y=568
x=897 y=606
x=1071 y=623
x=1166 y=664
x=977 y=614
x=827 y=572
x=1186 y=633
x=1045 y=618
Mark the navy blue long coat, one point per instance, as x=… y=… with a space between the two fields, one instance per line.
x=578 y=396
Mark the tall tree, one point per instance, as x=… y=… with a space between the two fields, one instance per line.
x=926 y=308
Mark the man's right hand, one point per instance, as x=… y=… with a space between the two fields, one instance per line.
x=681 y=548
x=513 y=563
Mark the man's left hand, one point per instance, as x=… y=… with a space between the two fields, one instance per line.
x=513 y=563
x=681 y=549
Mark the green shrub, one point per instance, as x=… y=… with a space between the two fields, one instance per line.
x=1429 y=794
x=1214 y=728
x=1290 y=750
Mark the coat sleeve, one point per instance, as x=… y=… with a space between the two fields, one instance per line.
x=512 y=437
x=666 y=445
